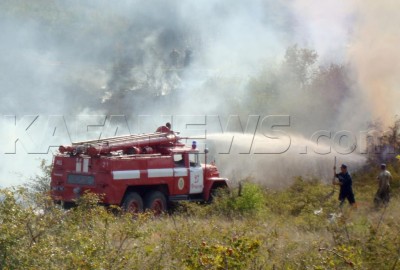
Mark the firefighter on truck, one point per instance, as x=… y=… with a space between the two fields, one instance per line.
x=136 y=172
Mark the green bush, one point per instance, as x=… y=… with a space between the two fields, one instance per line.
x=234 y=253
x=250 y=201
x=85 y=237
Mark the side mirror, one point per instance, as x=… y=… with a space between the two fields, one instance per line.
x=206 y=151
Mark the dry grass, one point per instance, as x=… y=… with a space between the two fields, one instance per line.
x=296 y=228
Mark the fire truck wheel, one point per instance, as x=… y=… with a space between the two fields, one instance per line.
x=156 y=202
x=133 y=203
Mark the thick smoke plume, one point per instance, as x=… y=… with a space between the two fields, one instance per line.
x=166 y=59
x=375 y=58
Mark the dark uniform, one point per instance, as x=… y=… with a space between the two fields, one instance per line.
x=346 y=189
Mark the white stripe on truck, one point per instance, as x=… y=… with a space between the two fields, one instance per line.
x=178 y=172
x=78 y=165
x=152 y=173
x=86 y=165
x=122 y=175
x=168 y=172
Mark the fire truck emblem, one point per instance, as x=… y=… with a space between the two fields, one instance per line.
x=181 y=183
x=196 y=178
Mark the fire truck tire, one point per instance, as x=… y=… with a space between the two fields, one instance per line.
x=133 y=203
x=156 y=202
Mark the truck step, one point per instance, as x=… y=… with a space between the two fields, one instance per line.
x=185 y=198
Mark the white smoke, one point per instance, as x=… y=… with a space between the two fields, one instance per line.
x=114 y=58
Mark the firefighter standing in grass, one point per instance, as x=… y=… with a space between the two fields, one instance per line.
x=383 y=193
x=345 y=183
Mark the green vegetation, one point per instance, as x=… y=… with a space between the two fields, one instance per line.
x=296 y=228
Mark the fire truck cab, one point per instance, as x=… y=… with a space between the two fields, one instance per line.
x=136 y=172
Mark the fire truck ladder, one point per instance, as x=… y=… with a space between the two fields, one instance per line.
x=124 y=143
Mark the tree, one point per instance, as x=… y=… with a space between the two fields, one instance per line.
x=300 y=63
x=40 y=183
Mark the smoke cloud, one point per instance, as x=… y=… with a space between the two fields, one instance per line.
x=166 y=59
x=374 y=57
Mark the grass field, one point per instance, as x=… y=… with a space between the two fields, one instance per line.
x=300 y=227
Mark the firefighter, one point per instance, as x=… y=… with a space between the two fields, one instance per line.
x=345 y=183
x=383 y=193
x=165 y=129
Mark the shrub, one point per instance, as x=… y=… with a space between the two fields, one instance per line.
x=232 y=233
x=250 y=201
x=85 y=237
x=234 y=253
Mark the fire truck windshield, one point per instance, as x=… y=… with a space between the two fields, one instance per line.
x=179 y=161
x=194 y=159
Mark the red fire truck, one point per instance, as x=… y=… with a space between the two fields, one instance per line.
x=137 y=172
